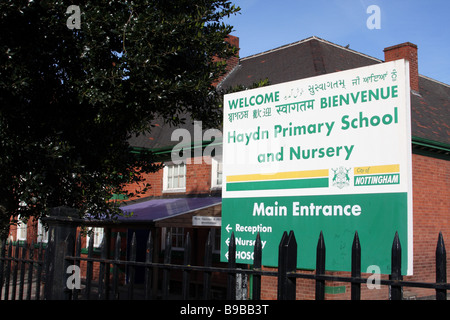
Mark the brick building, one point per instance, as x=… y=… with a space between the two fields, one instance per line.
x=430 y=112
x=180 y=192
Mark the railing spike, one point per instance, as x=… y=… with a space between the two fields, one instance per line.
x=320 y=268
x=356 y=268
x=396 y=267
x=441 y=267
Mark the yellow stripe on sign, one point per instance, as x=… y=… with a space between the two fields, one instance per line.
x=279 y=175
x=377 y=169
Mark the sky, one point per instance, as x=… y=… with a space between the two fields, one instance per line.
x=262 y=25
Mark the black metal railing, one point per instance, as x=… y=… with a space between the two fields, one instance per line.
x=286 y=273
x=23 y=269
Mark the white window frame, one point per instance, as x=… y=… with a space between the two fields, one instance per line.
x=21 y=231
x=216 y=165
x=98 y=237
x=178 y=233
x=169 y=187
x=42 y=233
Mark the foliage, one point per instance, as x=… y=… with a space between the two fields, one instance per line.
x=257 y=84
x=71 y=98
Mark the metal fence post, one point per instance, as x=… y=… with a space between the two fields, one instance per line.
x=231 y=279
x=257 y=266
x=116 y=268
x=320 y=268
x=287 y=263
x=207 y=274
x=62 y=222
x=132 y=270
x=166 y=271
x=396 y=267
x=356 y=268
x=2 y=263
x=186 y=262
x=441 y=267
x=281 y=266
x=148 y=270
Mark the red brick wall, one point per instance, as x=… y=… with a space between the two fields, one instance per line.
x=156 y=185
x=198 y=177
x=431 y=207
x=198 y=180
x=32 y=229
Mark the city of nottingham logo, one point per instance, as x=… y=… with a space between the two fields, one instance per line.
x=341 y=177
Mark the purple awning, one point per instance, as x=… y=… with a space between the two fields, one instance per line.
x=159 y=209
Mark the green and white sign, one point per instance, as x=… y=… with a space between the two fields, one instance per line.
x=330 y=153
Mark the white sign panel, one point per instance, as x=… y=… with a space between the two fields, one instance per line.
x=205 y=221
x=330 y=153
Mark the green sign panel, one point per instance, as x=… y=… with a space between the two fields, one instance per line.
x=330 y=153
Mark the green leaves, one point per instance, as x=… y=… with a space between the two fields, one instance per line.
x=70 y=98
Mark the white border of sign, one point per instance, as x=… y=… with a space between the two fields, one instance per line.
x=342 y=133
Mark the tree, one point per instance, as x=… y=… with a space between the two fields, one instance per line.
x=71 y=94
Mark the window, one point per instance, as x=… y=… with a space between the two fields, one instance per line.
x=42 y=234
x=216 y=172
x=176 y=236
x=215 y=236
x=21 y=231
x=97 y=233
x=174 y=177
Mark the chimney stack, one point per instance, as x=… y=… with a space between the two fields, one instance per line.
x=406 y=51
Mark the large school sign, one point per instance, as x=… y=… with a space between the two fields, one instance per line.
x=330 y=153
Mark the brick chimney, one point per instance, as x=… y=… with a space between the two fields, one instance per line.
x=232 y=62
x=406 y=51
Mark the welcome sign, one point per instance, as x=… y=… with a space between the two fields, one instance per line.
x=330 y=153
